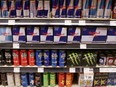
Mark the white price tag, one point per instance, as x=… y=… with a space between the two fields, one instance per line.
x=16 y=69
x=40 y=70
x=83 y=46
x=88 y=70
x=68 y=22
x=72 y=70
x=16 y=45
x=11 y=22
x=112 y=23
x=107 y=69
x=82 y=22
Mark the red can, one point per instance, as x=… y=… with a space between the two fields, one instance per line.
x=61 y=80
x=16 y=61
x=31 y=57
x=69 y=78
x=23 y=57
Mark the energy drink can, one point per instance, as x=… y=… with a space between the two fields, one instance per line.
x=40 y=8
x=77 y=8
x=4 y=79
x=39 y=57
x=2 y=60
x=31 y=57
x=54 y=58
x=33 y=8
x=5 y=34
x=46 y=57
x=38 y=80
x=26 y=8
x=19 y=34
x=63 y=10
x=108 y=9
x=31 y=79
x=102 y=60
x=60 y=34
x=74 y=34
x=8 y=57
x=70 y=8
x=16 y=57
x=69 y=78
x=100 y=8
x=46 y=8
x=45 y=79
x=17 y=79
x=86 y=5
x=12 y=9
x=62 y=57
x=23 y=57
x=4 y=9
x=10 y=79
x=61 y=79
x=93 y=9
x=24 y=80
x=55 y=9
x=110 y=60
x=46 y=34
x=33 y=34
x=19 y=8
x=114 y=10
x=52 y=79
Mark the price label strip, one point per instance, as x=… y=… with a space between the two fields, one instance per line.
x=11 y=22
x=16 y=45
x=108 y=70
x=16 y=69
x=68 y=22
x=72 y=70
x=40 y=70
x=112 y=23
x=83 y=46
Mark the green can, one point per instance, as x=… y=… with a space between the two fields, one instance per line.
x=52 y=79
x=46 y=79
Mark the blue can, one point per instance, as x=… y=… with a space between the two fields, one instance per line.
x=31 y=79
x=46 y=56
x=39 y=57
x=54 y=58
x=62 y=57
x=24 y=80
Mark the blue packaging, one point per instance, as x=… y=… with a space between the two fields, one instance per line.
x=63 y=9
x=46 y=34
x=111 y=35
x=12 y=9
x=77 y=8
x=62 y=56
x=33 y=34
x=70 y=8
x=24 y=80
x=46 y=8
x=55 y=9
x=39 y=58
x=19 y=34
x=31 y=79
x=54 y=57
x=74 y=34
x=100 y=8
x=60 y=34
x=46 y=56
x=40 y=8
x=93 y=9
x=4 y=9
x=94 y=34
x=19 y=8
x=5 y=34
x=108 y=9
x=86 y=5
x=26 y=8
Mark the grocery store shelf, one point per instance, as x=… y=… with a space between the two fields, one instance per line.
x=56 y=46
x=57 y=21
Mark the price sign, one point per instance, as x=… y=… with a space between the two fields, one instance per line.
x=16 y=69
x=11 y=22
x=40 y=70
x=16 y=45
x=68 y=22
x=72 y=70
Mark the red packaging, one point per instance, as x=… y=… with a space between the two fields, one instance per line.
x=31 y=57
x=61 y=80
x=16 y=57
x=23 y=57
x=110 y=59
x=69 y=78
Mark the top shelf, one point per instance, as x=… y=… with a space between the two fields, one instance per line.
x=58 y=21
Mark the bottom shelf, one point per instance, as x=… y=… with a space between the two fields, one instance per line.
x=57 y=79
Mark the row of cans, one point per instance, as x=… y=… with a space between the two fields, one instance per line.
x=33 y=57
x=36 y=79
x=57 y=8
x=58 y=34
